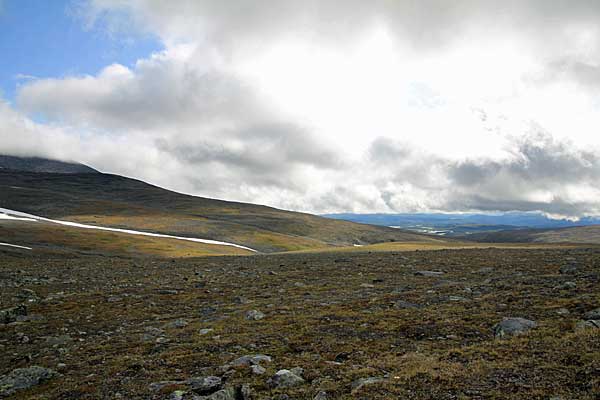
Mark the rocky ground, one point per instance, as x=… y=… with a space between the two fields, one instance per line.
x=447 y=324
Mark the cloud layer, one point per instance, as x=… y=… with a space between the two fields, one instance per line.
x=333 y=106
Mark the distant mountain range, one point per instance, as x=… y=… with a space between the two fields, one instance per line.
x=449 y=224
x=36 y=164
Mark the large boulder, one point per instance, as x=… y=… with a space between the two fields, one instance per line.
x=513 y=327
x=254 y=359
x=285 y=378
x=594 y=314
x=24 y=378
x=12 y=314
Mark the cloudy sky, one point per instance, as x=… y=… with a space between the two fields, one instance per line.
x=316 y=105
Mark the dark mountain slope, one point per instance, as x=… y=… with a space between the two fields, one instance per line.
x=116 y=201
x=36 y=164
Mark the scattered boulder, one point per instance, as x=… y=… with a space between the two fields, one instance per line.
x=258 y=370
x=12 y=314
x=205 y=385
x=254 y=315
x=178 y=323
x=321 y=396
x=27 y=295
x=285 y=378
x=429 y=273
x=566 y=286
x=594 y=314
x=589 y=324
x=246 y=361
x=513 y=327
x=568 y=269
x=362 y=382
x=205 y=331
x=57 y=341
x=24 y=378
x=406 y=305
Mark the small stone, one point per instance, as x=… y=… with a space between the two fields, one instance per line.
x=254 y=315
x=360 y=383
x=168 y=291
x=205 y=331
x=568 y=269
x=429 y=273
x=401 y=304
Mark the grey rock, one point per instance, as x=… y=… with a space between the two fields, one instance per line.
x=589 y=324
x=429 y=273
x=205 y=385
x=457 y=298
x=284 y=379
x=254 y=315
x=28 y=295
x=513 y=326
x=594 y=314
x=258 y=370
x=55 y=341
x=566 y=286
x=362 y=382
x=406 y=304
x=568 y=269
x=168 y=291
x=246 y=361
x=205 y=331
x=321 y=396
x=178 y=323
x=9 y=315
x=24 y=378
x=223 y=394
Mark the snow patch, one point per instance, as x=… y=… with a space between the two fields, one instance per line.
x=14 y=245
x=12 y=218
x=25 y=216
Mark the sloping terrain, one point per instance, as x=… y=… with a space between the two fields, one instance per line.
x=387 y=325
x=48 y=238
x=580 y=234
x=116 y=201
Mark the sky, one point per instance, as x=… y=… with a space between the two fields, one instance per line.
x=320 y=106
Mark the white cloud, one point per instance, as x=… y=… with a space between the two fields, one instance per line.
x=339 y=105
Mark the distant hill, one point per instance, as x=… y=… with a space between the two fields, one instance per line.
x=116 y=201
x=579 y=234
x=36 y=164
x=460 y=224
